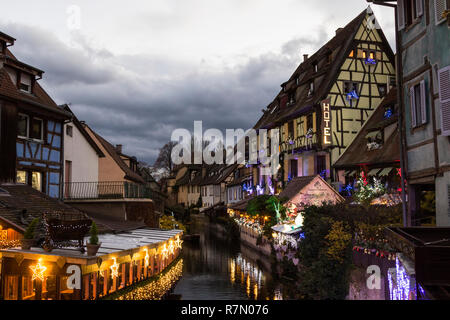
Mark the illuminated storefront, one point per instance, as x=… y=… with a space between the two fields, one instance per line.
x=64 y=274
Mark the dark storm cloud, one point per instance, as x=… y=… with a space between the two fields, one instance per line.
x=138 y=100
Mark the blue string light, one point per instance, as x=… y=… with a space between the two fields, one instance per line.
x=352 y=95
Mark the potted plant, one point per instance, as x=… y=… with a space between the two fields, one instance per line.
x=28 y=236
x=93 y=245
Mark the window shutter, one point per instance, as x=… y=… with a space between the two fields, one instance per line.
x=444 y=97
x=439 y=7
x=423 y=102
x=401 y=14
x=419 y=8
x=413 y=107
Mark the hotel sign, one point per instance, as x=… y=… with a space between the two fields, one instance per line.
x=326 y=122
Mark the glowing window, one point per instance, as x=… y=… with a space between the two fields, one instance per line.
x=21 y=177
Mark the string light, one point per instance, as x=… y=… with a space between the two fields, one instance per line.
x=171 y=247
x=178 y=242
x=114 y=269
x=146 y=258
x=38 y=270
x=165 y=252
x=155 y=290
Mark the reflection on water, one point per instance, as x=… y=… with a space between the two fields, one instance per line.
x=216 y=269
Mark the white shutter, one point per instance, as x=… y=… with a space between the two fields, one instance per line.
x=401 y=14
x=423 y=102
x=444 y=97
x=439 y=7
x=413 y=107
x=419 y=8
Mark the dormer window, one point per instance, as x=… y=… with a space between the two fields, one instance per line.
x=311 y=89
x=315 y=67
x=291 y=98
x=25 y=82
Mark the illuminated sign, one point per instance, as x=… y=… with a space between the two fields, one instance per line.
x=326 y=122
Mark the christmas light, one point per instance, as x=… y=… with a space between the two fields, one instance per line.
x=164 y=252
x=146 y=258
x=178 y=242
x=171 y=247
x=156 y=289
x=38 y=270
x=114 y=269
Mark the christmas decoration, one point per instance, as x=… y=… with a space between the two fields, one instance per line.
x=38 y=270
x=114 y=269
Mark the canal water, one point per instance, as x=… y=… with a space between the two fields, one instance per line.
x=216 y=269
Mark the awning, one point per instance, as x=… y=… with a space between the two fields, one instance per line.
x=350 y=173
x=373 y=172
x=373 y=134
x=385 y=172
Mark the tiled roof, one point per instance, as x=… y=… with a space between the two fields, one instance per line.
x=357 y=153
x=38 y=97
x=295 y=186
x=20 y=197
x=129 y=174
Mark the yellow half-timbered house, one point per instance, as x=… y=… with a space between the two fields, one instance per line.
x=324 y=104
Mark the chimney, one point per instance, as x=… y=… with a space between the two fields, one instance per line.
x=305 y=57
x=119 y=148
x=338 y=30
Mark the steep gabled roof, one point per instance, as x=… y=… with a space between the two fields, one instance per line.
x=83 y=131
x=129 y=174
x=338 y=48
x=357 y=153
x=38 y=98
x=298 y=184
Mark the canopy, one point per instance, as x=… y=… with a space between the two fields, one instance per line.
x=373 y=134
x=373 y=172
x=385 y=172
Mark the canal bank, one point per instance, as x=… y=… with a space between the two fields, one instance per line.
x=219 y=269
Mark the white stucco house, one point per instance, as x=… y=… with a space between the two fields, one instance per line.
x=81 y=154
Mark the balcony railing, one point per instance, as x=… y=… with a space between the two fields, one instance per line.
x=107 y=190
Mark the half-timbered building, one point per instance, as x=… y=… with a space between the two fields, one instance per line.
x=31 y=126
x=325 y=102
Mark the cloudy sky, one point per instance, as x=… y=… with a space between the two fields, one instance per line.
x=136 y=70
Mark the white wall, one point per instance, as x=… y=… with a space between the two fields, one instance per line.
x=83 y=156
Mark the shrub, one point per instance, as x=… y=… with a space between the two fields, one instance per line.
x=325 y=252
x=29 y=232
x=169 y=223
x=94 y=234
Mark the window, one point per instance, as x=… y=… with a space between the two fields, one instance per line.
x=69 y=131
x=382 y=89
x=30 y=128
x=329 y=57
x=408 y=12
x=37 y=129
x=22 y=126
x=418 y=105
x=322 y=166
x=25 y=82
x=444 y=98
x=440 y=6
x=316 y=67
x=309 y=121
x=350 y=87
x=31 y=178
x=352 y=54
x=291 y=98
x=291 y=129
x=364 y=53
x=311 y=89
